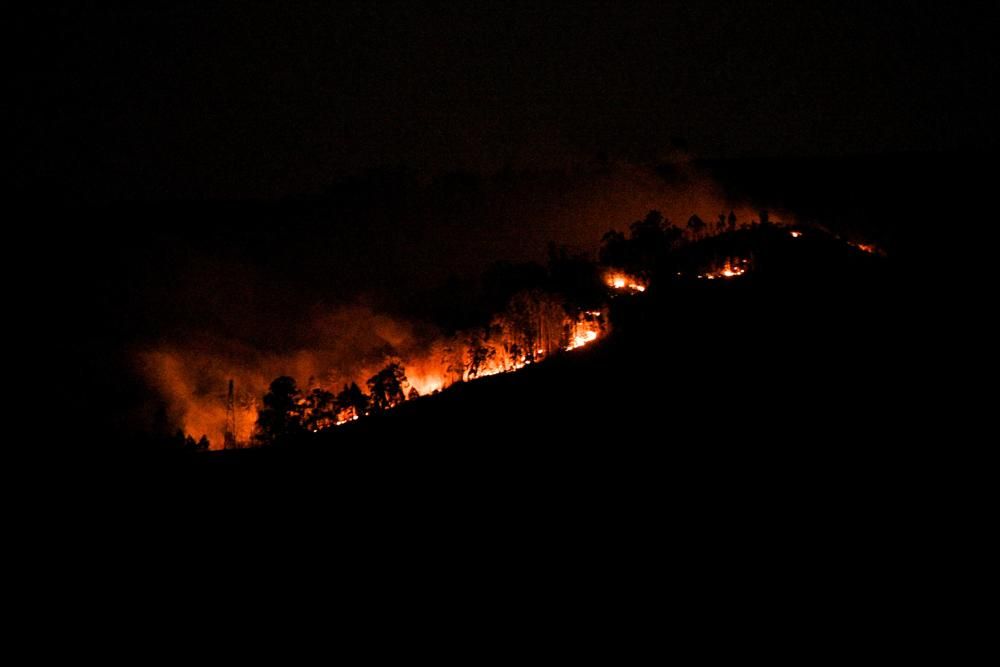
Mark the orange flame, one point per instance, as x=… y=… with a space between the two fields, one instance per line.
x=623 y=282
x=733 y=268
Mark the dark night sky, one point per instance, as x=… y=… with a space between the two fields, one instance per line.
x=147 y=111
x=192 y=100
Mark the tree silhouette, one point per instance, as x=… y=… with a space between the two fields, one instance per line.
x=696 y=226
x=351 y=402
x=281 y=417
x=481 y=356
x=182 y=442
x=732 y=220
x=177 y=440
x=320 y=411
x=480 y=353
x=453 y=360
x=502 y=280
x=574 y=277
x=720 y=226
x=614 y=249
x=648 y=243
x=672 y=235
x=386 y=387
x=649 y=230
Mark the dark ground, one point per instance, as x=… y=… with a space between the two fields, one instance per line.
x=768 y=440
x=790 y=383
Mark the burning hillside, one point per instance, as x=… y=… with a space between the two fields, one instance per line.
x=360 y=363
x=506 y=346
x=392 y=368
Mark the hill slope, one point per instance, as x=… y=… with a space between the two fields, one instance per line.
x=746 y=380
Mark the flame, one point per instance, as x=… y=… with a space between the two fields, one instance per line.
x=425 y=374
x=623 y=282
x=588 y=327
x=187 y=381
x=582 y=339
x=733 y=268
x=432 y=373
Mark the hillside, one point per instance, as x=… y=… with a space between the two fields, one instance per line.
x=778 y=374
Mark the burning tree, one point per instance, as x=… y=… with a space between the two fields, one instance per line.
x=586 y=328
x=387 y=387
x=320 y=410
x=530 y=327
x=453 y=361
x=352 y=403
x=480 y=355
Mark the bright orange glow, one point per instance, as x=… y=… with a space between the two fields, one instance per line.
x=425 y=375
x=588 y=328
x=623 y=282
x=733 y=268
x=796 y=235
x=582 y=339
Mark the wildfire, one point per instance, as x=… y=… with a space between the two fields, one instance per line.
x=534 y=326
x=733 y=268
x=588 y=327
x=493 y=358
x=582 y=339
x=623 y=282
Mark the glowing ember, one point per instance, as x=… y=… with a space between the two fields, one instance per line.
x=582 y=339
x=733 y=268
x=535 y=326
x=587 y=328
x=623 y=282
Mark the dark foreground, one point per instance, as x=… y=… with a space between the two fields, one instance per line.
x=775 y=389
x=783 y=388
x=747 y=440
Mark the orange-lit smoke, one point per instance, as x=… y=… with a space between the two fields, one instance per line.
x=613 y=197
x=345 y=345
x=351 y=345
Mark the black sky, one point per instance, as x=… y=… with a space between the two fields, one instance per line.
x=233 y=100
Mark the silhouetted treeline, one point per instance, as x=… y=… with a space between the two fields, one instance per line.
x=537 y=311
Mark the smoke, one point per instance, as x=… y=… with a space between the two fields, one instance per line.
x=347 y=344
x=510 y=217
x=578 y=205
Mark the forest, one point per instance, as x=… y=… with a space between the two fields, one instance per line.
x=544 y=311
